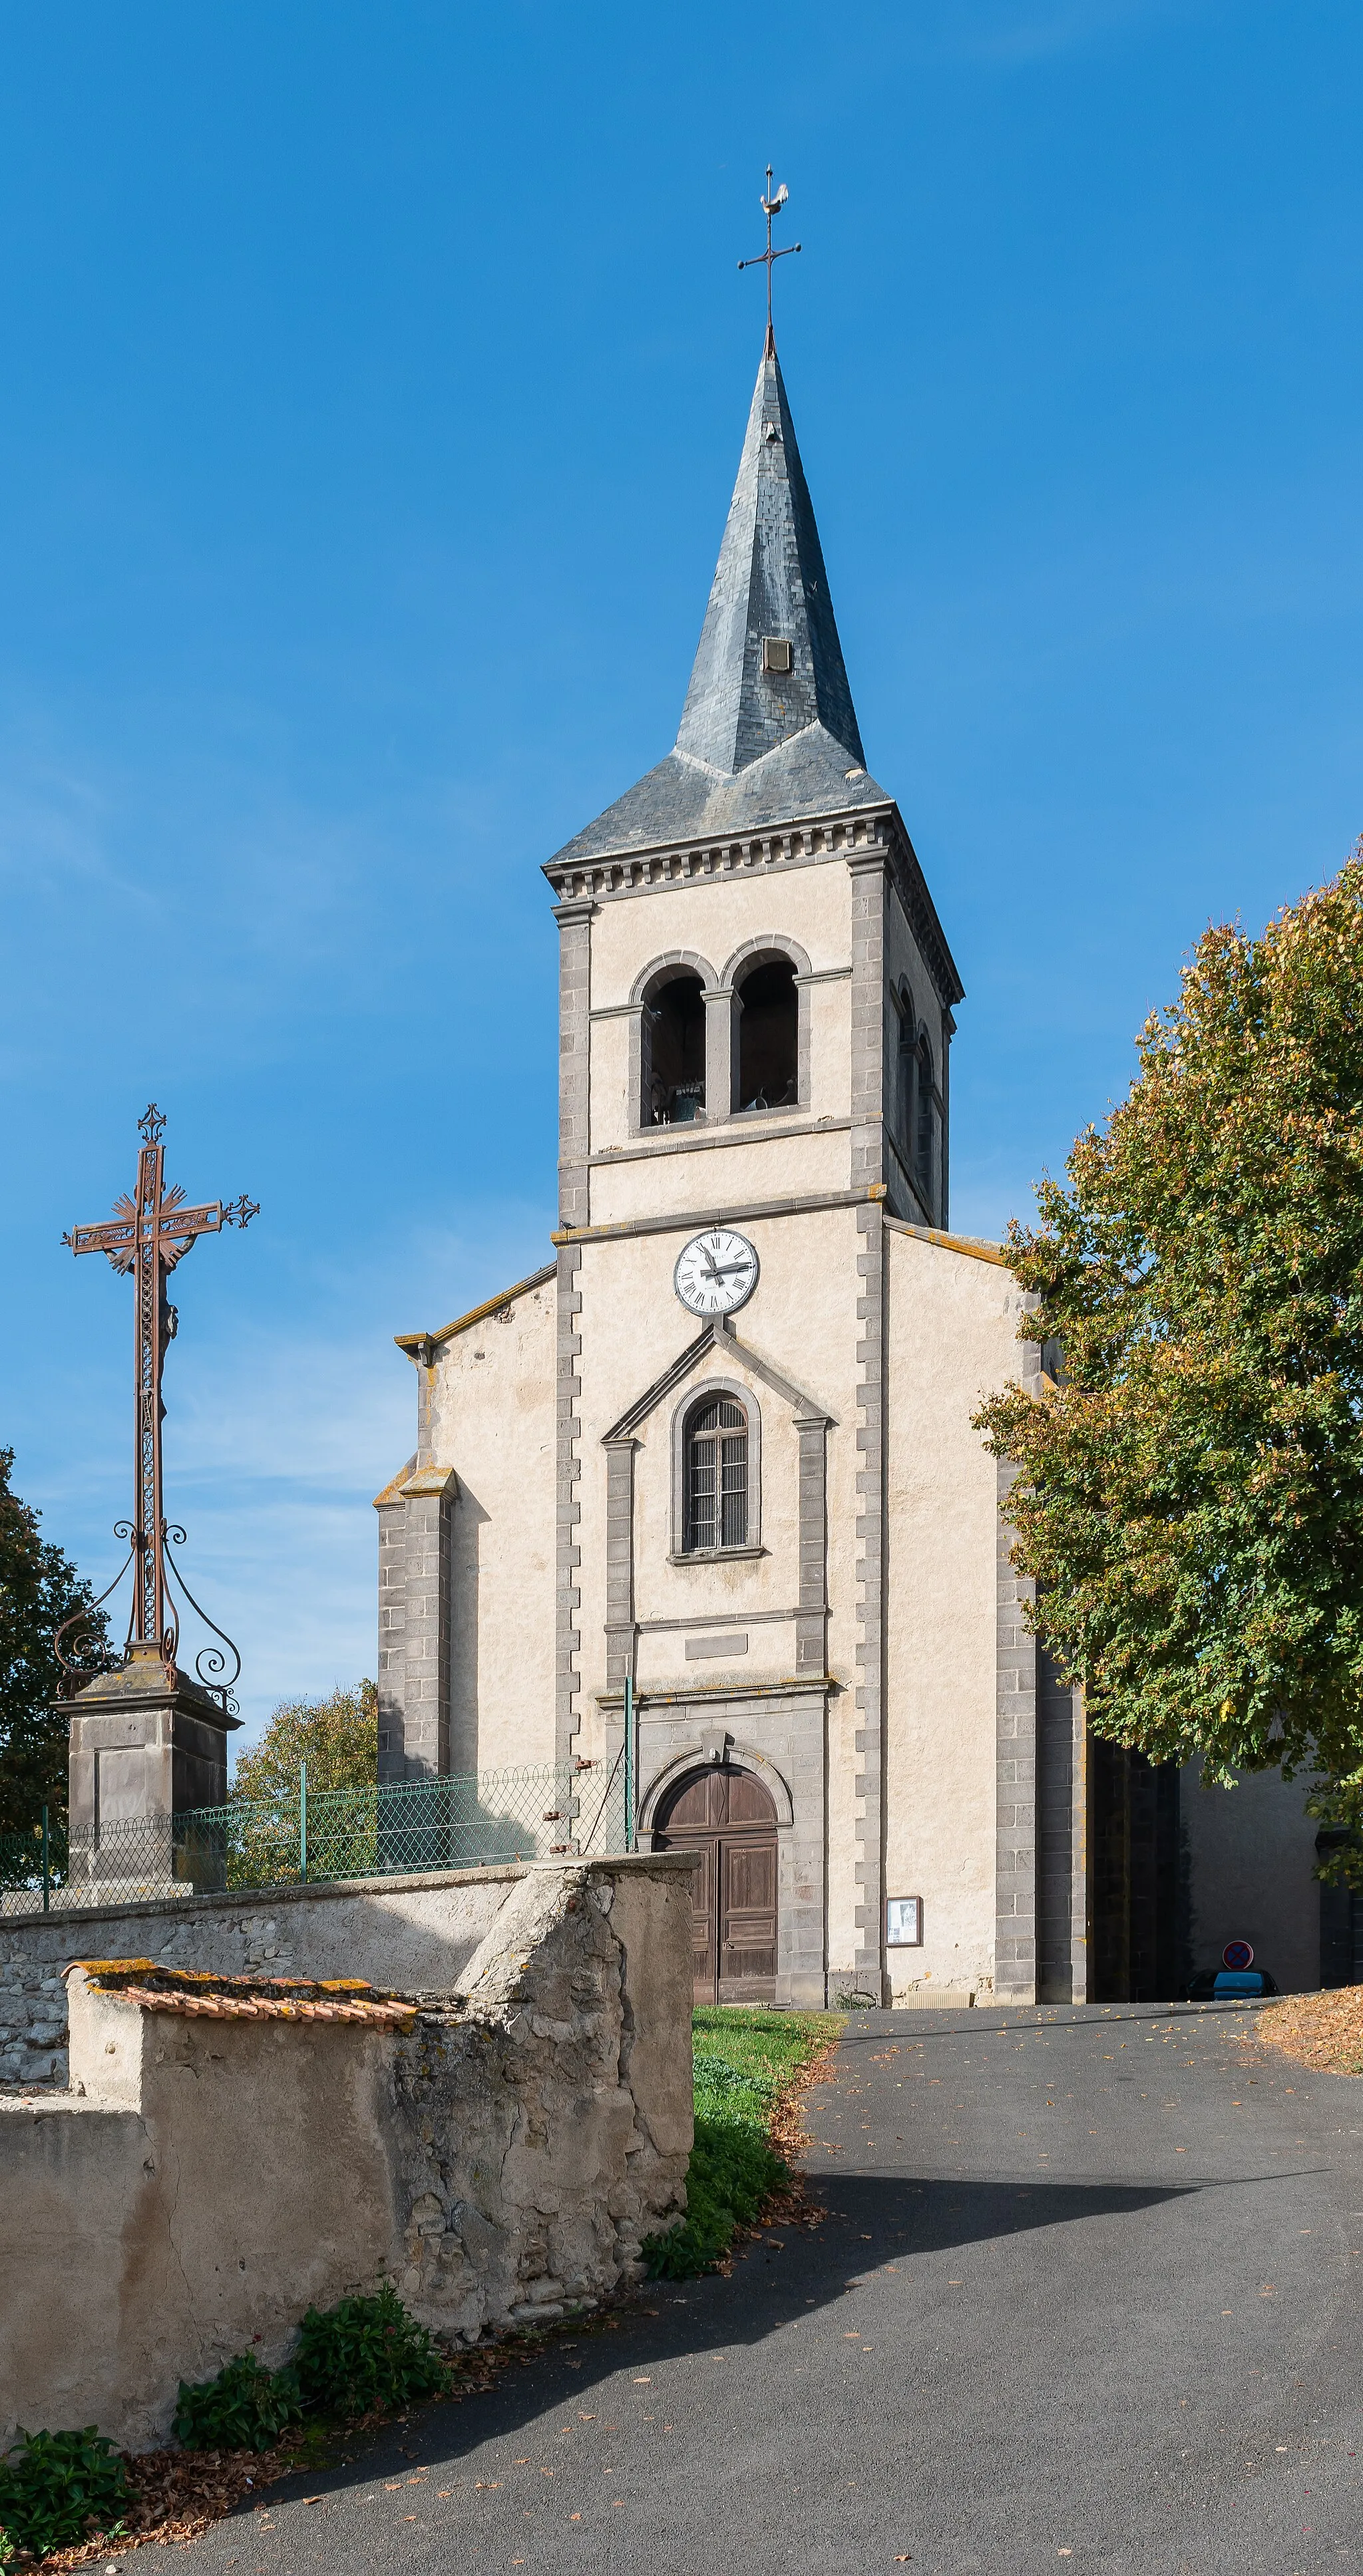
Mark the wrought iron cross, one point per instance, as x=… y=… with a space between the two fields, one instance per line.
x=771 y=205
x=147 y=1235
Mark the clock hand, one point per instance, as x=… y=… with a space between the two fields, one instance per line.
x=729 y=1270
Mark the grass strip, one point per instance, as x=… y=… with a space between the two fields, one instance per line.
x=749 y=2066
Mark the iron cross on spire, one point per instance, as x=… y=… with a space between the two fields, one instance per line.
x=771 y=205
x=147 y=1235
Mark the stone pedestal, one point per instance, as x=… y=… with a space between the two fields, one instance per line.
x=145 y=1749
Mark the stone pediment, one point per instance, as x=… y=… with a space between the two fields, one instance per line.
x=719 y=1337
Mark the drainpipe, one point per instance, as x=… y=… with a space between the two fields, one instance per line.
x=629 y=1762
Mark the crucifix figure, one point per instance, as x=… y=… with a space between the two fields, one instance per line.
x=147 y=1235
x=771 y=205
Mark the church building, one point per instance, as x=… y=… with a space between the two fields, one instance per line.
x=720 y=1446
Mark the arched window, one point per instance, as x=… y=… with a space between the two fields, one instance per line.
x=674 y=1061
x=769 y=1037
x=906 y=1080
x=715 y=1475
x=923 y=1154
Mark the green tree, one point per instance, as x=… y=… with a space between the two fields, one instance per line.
x=1189 y=1498
x=39 y=1590
x=337 y=1737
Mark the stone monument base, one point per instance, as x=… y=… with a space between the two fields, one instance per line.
x=147 y=1746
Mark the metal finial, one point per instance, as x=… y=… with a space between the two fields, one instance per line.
x=771 y=205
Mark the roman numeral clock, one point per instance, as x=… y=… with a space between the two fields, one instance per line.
x=716 y=1272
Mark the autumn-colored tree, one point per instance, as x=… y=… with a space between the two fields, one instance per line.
x=39 y=1590
x=1190 y=1494
x=337 y=1737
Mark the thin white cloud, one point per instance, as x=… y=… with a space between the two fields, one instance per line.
x=277 y=1441
x=1024 y=31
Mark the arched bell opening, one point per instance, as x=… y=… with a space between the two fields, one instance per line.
x=729 y=1817
x=769 y=1036
x=674 y=1052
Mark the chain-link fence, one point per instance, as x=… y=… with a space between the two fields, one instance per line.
x=536 y=1812
x=31 y=1866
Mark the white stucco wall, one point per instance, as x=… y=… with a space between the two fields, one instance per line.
x=810 y=904
x=760 y=1168
x=952 y=1322
x=493 y=1422
x=203 y=2181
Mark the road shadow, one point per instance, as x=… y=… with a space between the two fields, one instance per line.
x=781 y=2276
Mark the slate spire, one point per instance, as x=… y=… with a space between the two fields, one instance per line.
x=770 y=588
x=759 y=742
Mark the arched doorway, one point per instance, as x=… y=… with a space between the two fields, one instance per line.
x=729 y=1818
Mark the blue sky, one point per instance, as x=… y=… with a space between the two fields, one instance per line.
x=374 y=380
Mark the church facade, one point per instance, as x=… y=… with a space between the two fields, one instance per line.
x=720 y=1447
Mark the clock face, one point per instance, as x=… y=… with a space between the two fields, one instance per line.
x=716 y=1272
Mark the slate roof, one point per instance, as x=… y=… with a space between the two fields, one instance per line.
x=753 y=748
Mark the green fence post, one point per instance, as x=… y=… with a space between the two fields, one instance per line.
x=47 y=1867
x=303 y=1821
x=629 y=1762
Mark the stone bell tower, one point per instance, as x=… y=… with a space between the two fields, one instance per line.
x=756 y=1008
x=767 y=774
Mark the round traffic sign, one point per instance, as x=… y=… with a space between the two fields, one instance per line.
x=1237 y=1954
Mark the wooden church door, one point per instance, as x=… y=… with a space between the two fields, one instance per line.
x=728 y=1817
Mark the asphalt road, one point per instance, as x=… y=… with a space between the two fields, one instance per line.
x=1086 y=2297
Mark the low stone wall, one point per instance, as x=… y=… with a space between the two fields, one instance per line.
x=204 y=2180
x=416 y=1932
